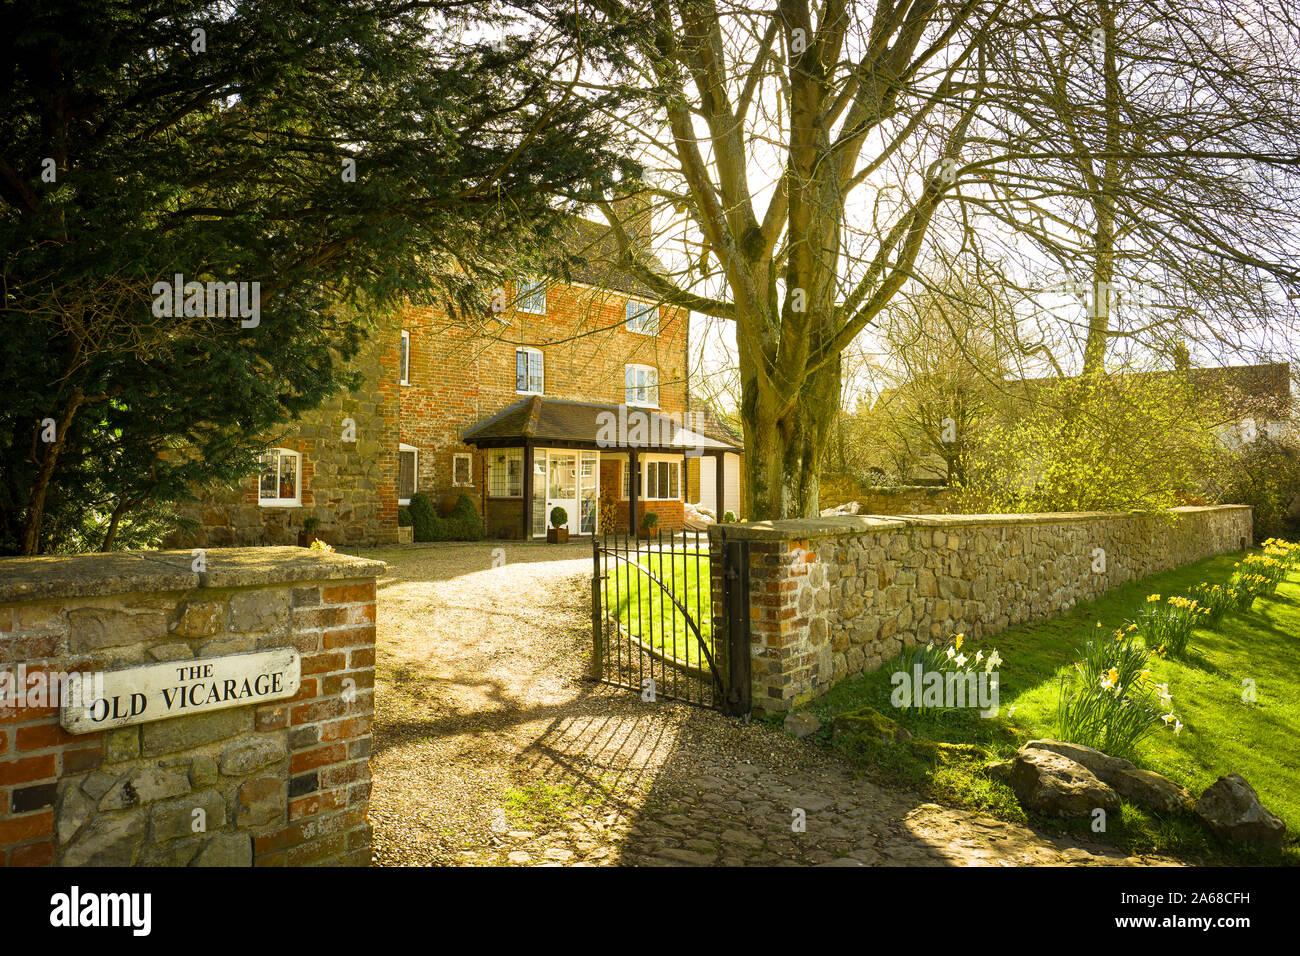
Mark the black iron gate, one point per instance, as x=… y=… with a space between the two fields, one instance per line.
x=653 y=625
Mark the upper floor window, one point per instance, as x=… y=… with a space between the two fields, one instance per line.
x=642 y=385
x=531 y=296
x=280 y=481
x=408 y=460
x=506 y=473
x=406 y=357
x=642 y=318
x=528 y=371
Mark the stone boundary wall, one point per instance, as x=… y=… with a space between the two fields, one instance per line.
x=834 y=597
x=285 y=782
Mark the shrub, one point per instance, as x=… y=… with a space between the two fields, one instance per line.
x=461 y=524
x=728 y=517
x=1264 y=474
x=404 y=519
x=423 y=517
x=1166 y=626
x=310 y=524
x=559 y=517
x=1108 y=702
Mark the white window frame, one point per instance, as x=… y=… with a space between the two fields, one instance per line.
x=646 y=388
x=643 y=484
x=296 y=501
x=405 y=360
x=641 y=317
x=528 y=373
x=675 y=465
x=454 y=459
x=415 y=470
x=526 y=293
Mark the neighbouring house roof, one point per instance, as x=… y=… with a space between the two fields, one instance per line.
x=541 y=420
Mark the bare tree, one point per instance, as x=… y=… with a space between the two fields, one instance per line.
x=819 y=158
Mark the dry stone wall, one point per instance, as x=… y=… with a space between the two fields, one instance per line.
x=833 y=597
x=285 y=782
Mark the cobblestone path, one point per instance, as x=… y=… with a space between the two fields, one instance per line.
x=491 y=748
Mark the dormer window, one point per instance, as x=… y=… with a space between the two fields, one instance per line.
x=529 y=377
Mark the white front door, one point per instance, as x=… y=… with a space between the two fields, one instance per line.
x=562 y=487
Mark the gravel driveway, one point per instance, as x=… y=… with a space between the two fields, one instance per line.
x=491 y=748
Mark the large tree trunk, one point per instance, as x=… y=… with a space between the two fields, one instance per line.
x=784 y=451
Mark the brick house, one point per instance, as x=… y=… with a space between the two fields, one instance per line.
x=568 y=393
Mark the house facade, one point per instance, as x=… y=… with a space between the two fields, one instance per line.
x=569 y=394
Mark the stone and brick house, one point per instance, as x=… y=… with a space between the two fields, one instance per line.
x=568 y=393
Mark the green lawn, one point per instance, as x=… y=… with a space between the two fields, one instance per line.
x=1222 y=734
x=647 y=612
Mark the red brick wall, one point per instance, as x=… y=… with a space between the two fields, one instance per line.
x=458 y=377
x=308 y=805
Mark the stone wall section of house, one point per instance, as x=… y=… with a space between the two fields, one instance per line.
x=350 y=486
x=459 y=376
x=284 y=783
x=834 y=597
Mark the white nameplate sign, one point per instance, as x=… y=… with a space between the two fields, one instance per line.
x=136 y=695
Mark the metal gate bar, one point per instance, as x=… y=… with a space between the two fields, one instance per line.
x=644 y=624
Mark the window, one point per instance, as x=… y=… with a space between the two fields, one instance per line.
x=408 y=460
x=642 y=318
x=530 y=296
x=661 y=480
x=642 y=383
x=406 y=357
x=528 y=371
x=462 y=469
x=280 y=481
x=506 y=473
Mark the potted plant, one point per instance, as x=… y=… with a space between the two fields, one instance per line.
x=308 y=533
x=558 y=532
x=649 y=521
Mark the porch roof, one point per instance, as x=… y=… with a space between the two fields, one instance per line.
x=588 y=424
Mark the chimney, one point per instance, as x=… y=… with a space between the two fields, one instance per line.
x=635 y=214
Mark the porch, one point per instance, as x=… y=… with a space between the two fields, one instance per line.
x=606 y=466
